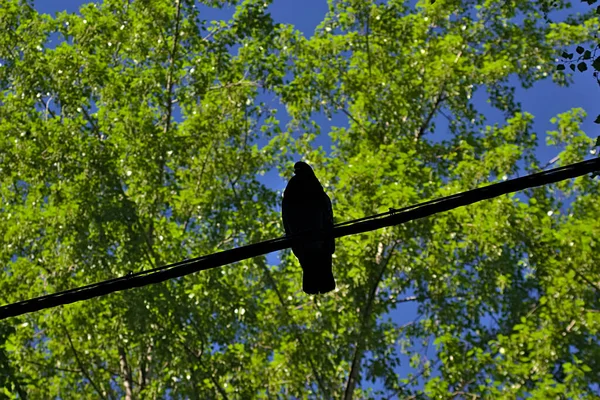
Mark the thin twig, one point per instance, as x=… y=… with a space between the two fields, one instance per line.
x=320 y=383
x=81 y=366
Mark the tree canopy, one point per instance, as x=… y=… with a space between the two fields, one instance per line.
x=135 y=134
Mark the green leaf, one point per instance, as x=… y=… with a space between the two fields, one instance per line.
x=582 y=66
x=579 y=50
x=586 y=368
x=587 y=55
x=560 y=67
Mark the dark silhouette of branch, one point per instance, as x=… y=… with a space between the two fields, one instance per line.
x=585 y=279
x=320 y=384
x=170 y=83
x=413 y=379
x=441 y=98
x=354 y=375
x=198 y=357
x=82 y=367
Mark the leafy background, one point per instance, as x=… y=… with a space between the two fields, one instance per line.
x=138 y=134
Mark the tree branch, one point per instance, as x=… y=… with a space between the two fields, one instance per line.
x=170 y=84
x=438 y=101
x=81 y=366
x=320 y=383
x=584 y=278
x=353 y=376
x=145 y=362
x=126 y=373
x=414 y=378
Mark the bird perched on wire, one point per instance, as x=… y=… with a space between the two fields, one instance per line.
x=306 y=207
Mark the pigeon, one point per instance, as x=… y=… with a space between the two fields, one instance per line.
x=306 y=207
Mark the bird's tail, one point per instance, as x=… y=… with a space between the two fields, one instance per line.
x=317 y=274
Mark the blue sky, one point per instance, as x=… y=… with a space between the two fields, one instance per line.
x=545 y=100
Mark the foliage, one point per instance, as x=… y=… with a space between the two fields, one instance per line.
x=132 y=136
x=585 y=54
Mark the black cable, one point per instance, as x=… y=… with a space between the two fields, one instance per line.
x=389 y=218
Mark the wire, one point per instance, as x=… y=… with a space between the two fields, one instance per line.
x=361 y=225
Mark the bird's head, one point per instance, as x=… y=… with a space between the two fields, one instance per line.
x=302 y=168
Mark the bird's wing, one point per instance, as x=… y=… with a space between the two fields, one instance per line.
x=285 y=215
x=307 y=207
x=328 y=220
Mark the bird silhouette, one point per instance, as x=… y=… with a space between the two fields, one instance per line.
x=306 y=207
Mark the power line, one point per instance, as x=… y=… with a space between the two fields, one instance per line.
x=373 y=222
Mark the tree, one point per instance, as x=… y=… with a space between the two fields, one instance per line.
x=136 y=141
x=584 y=54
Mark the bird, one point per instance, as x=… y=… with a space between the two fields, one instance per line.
x=306 y=207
